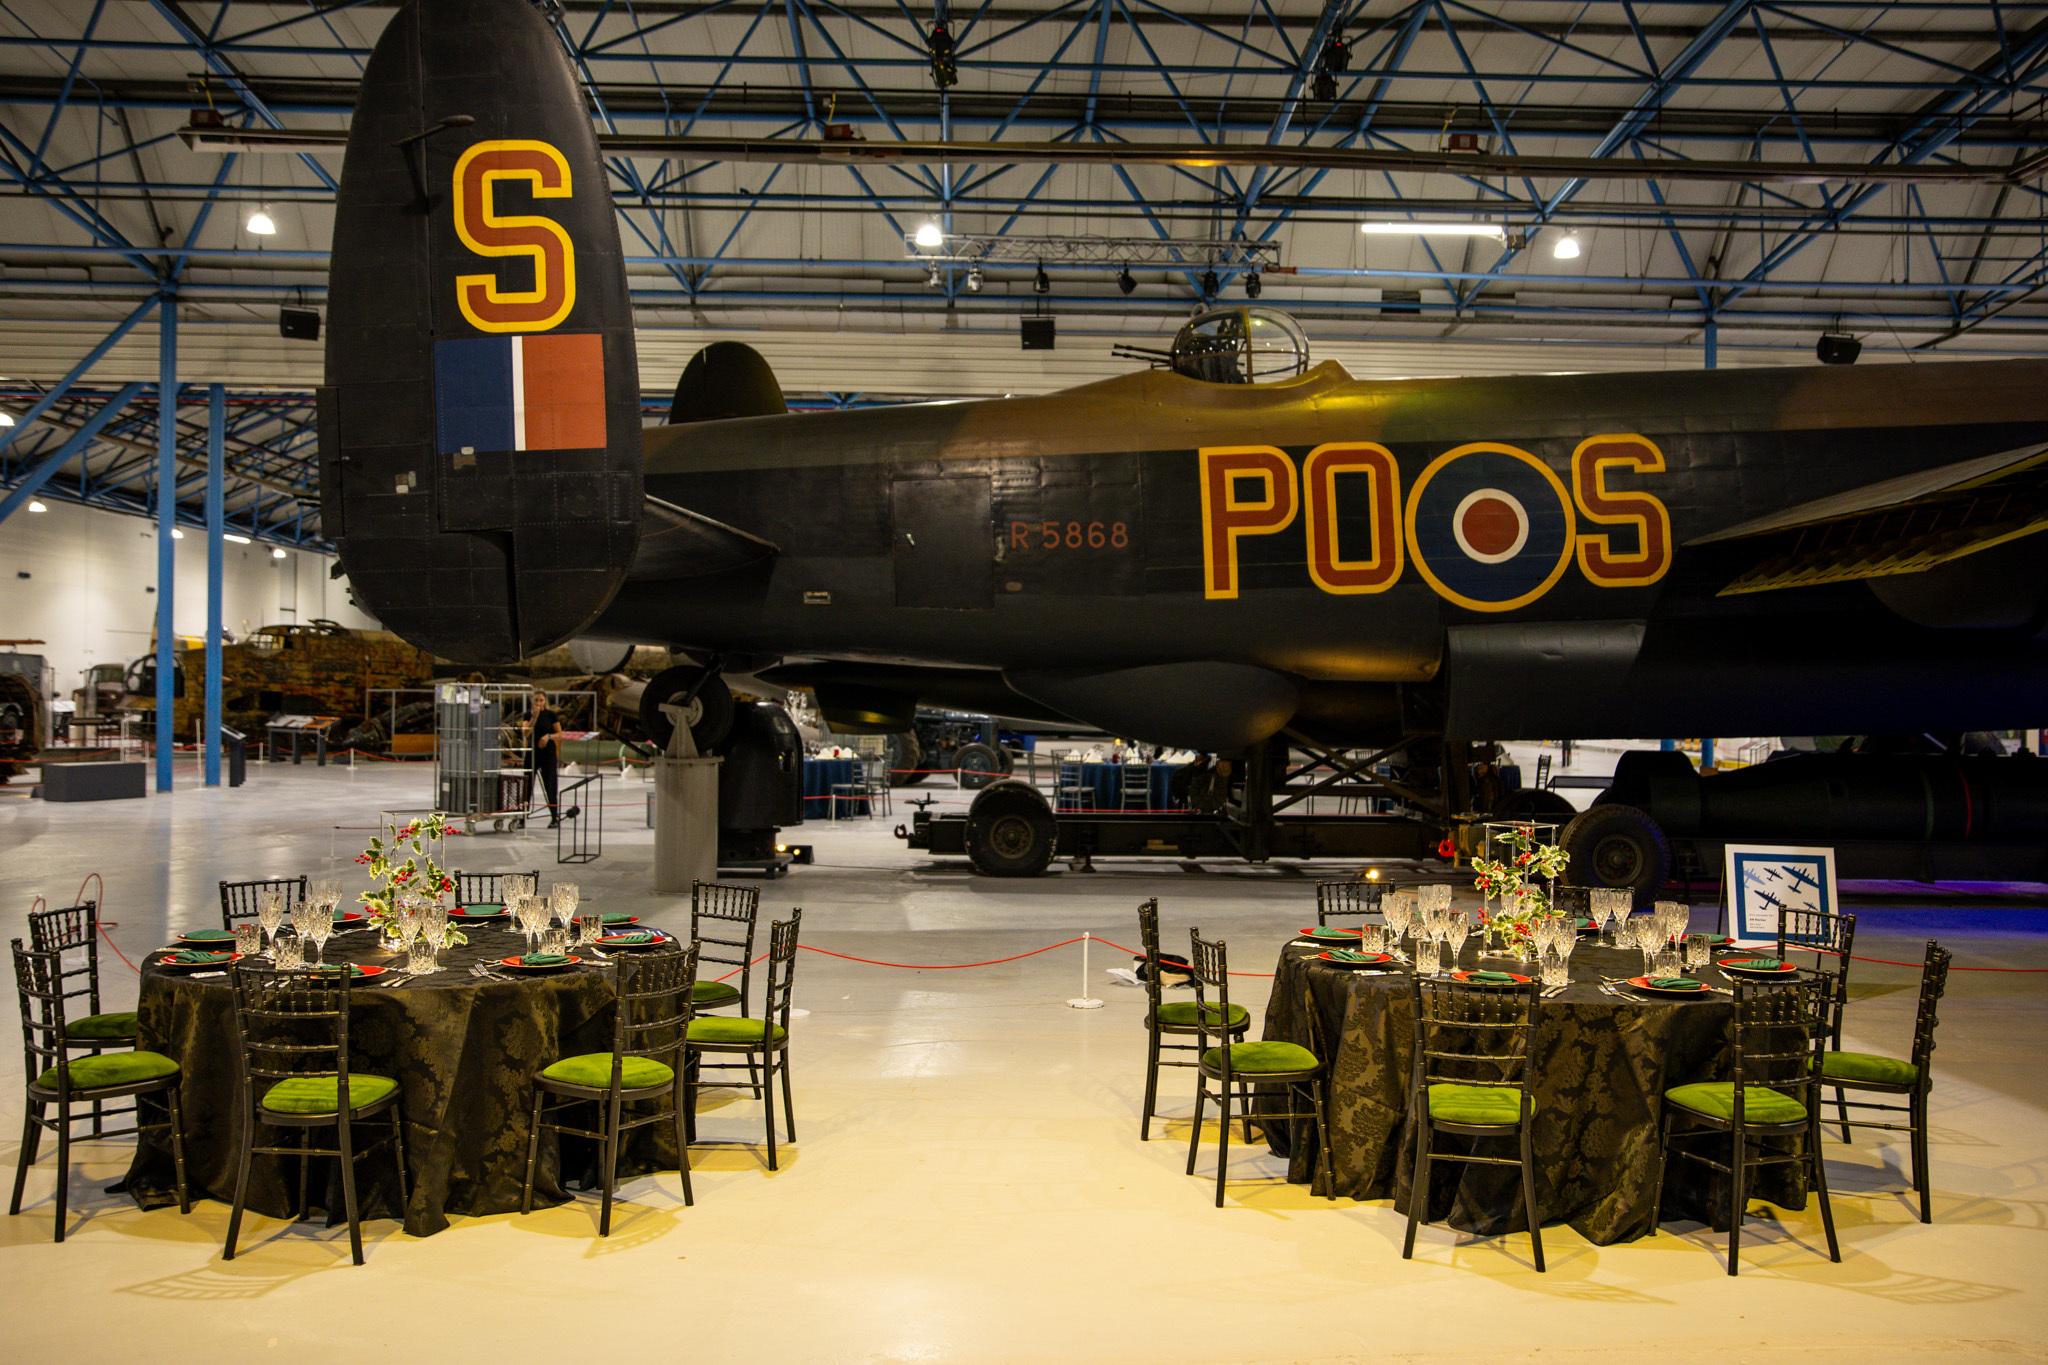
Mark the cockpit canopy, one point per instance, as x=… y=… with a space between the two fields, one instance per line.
x=1241 y=345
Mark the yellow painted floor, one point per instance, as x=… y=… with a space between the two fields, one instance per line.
x=969 y=1186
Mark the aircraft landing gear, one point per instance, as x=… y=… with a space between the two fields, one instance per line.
x=704 y=697
x=1620 y=846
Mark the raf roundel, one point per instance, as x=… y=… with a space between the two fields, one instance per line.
x=1490 y=527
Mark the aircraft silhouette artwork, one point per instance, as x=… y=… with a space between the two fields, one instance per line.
x=1237 y=551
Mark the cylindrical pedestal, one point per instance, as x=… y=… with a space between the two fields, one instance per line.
x=685 y=822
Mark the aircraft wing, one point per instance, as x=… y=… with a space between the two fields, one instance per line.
x=678 y=543
x=1897 y=526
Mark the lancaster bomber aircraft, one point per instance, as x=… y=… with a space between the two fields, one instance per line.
x=1236 y=552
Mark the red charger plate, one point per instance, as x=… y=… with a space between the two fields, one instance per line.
x=1520 y=980
x=1378 y=961
x=516 y=965
x=167 y=965
x=1642 y=983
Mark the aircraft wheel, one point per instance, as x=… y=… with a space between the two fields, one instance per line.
x=1620 y=846
x=1010 y=833
x=709 y=712
x=978 y=765
x=906 y=759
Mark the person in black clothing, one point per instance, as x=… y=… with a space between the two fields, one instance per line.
x=545 y=735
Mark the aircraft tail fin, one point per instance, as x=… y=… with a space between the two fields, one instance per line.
x=481 y=466
x=726 y=379
x=1906 y=525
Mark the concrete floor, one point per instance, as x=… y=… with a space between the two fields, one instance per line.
x=970 y=1185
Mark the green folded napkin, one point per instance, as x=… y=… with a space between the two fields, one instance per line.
x=343 y=916
x=195 y=957
x=632 y=936
x=209 y=935
x=544 y=959
x=617 y=917
x=353 y=969
x=483 y=908
x=1491 y=978
x=1352 y=955
x=1677 y=983
x=1760 y=964
x=1582 y=922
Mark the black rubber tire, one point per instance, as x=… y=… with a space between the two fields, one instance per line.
x=1009 y=757
x=1536 y=803
x=906 y=759
x=1010 y=832
x=714 y=699
x=978 y=765
x=1620 y=846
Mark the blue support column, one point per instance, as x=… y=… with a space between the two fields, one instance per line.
x=166 y=519
x=1713 y=344
x=216 y=547
x=1706 y=754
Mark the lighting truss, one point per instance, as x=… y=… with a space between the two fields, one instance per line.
x=979 y=249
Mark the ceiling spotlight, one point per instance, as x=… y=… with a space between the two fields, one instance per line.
x=1566 y=248
x=1210 y=284
x=37 y=505
x=932 y=277
x=6 y=419
x=930 y=236
x=1041 y=283
x=261 y=223
x=974 y=279
x=177 y=533
x=1124 y=282
x=277 y=552
x=1252 y=285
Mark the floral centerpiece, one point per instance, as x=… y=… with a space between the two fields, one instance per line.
x=1517 y=883
x=403 y=867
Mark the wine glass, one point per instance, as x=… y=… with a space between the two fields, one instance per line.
x=1677 y=918
x=1457 y=928
x=566 y=898
x=1610 y=907
x=320 y=927
x=532 y=914
x=270 y=914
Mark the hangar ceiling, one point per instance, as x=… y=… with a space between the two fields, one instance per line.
x=1739 y=177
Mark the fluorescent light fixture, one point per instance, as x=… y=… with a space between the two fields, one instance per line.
x=38 y=505
x=230 y=535
x=262 y=224
x=1493 y=230
x=930 y=236
x=277 y=552
x=177 y=533
x=1566 y=247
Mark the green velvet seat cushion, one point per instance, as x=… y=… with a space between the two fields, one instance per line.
x=1867 y=1066
x=1181 y=1014
x=1716 y=1099
x=1490 y=1105
x=109 y=1069
x=732 y=1031
x=594 y=1070
x=1265 y=1058
x=322 y=1094
x=98 y=1027
x=711 y=994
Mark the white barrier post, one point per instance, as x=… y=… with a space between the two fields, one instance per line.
x=1085 y=1001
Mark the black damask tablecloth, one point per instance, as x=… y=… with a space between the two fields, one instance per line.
x=464 y=1052
x=1602 y=1064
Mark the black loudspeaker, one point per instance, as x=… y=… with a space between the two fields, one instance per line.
x=1837 y=348
x=298 y=324
x=1037 y=333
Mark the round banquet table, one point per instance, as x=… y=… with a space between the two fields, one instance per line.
x=1602 y=1064
x=464 y=1051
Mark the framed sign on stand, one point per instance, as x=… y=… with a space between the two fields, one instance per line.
x=1762 y=879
